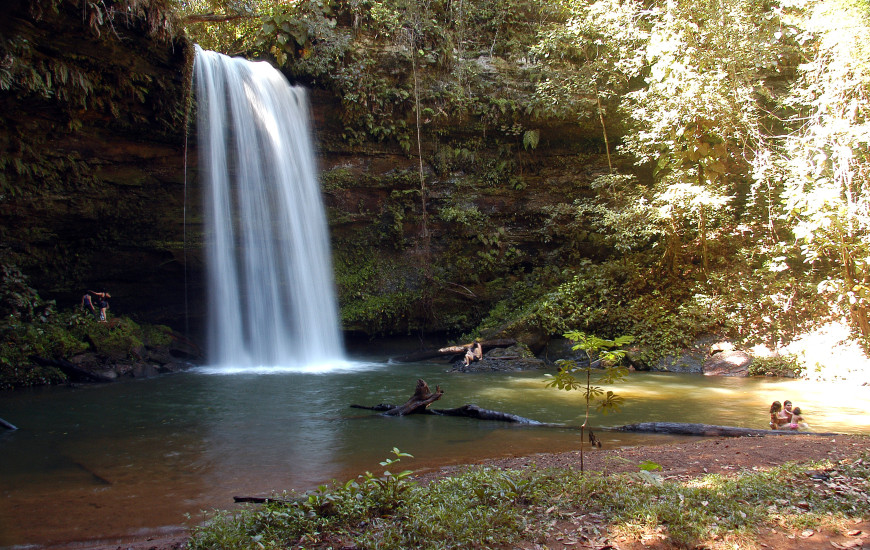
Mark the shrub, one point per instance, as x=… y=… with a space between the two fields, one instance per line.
x=776 y=365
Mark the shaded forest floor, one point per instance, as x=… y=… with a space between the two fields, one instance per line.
x=685 y=461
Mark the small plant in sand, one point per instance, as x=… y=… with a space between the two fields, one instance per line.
x=599 y=353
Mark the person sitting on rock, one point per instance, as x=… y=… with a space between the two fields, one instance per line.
x=474 y=352
x=469 y=355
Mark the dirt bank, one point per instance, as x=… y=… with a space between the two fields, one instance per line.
x=678 y=461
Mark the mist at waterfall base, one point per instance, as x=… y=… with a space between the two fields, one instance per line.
x=272 y=305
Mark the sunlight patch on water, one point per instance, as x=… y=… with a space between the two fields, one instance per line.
x=329 y=367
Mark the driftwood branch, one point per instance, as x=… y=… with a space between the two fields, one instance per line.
x=708 y=430
x=422 y=398
x=261 y=500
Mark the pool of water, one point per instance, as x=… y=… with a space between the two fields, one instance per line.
x=137 y=457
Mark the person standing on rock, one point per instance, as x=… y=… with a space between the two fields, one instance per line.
x=102 y=303
x=88 y=304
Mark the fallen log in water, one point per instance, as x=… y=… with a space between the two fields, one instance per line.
x=708 y=430
x=473 y=411
x=7 y=425
x=423 y=397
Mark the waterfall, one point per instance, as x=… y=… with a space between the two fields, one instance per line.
x=270 y=281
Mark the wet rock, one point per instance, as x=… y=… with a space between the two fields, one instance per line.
x=688 y=361
x=728 y=363
x=511 y=359
x=693 y=358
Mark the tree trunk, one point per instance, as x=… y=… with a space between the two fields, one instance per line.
x=702 y=223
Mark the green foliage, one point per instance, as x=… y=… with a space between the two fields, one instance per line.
x=156 y=335
x=778 y=365
x=605 y=353
x=233 y=33
x=389 y=490
x=118 y=339
x=374 y=293
x=494 y=508
x=31 y=330
x=531 y=138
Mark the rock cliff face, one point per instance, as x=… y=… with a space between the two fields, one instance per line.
x=92 y=142
x=501 y=217
x=98 y=189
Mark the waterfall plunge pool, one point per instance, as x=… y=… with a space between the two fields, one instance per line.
x=133 y=458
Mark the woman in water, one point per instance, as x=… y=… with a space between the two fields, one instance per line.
x=786 y=414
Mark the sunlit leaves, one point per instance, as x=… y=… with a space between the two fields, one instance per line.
x=826 y=160
x=598 y=352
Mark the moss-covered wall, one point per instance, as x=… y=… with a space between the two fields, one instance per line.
x=495 y=218
x=92 y=139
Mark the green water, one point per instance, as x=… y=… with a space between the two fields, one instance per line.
x=134 y=457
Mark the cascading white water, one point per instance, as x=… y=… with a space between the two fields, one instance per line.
x=270 y=281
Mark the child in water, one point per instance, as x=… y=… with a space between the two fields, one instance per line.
x=775 y=418
x=797 y=421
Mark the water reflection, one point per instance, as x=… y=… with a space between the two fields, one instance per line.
x=112 y=460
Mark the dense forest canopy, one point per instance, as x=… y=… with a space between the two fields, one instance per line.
x=746 y=209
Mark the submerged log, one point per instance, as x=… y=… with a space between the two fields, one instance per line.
x=379 y=407
x=452 y=350
x=708 y=430
x=7 y=425
x=473 y=411
x=423 y=397
x=419 y=402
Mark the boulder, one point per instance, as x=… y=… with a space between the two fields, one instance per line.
x=728 y=363
x=514 y=358
x=693 y=358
